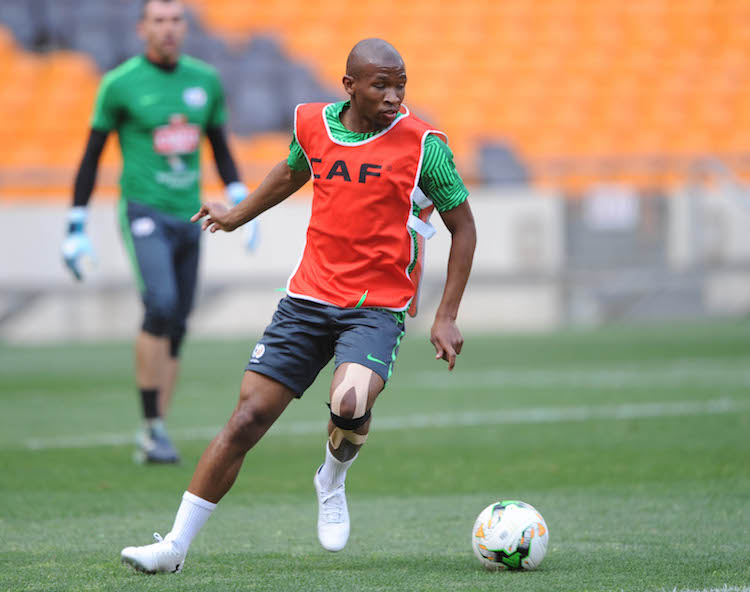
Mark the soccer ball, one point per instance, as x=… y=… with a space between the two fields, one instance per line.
x=510 y=535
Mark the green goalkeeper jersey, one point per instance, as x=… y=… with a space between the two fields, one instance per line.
x=160 y=116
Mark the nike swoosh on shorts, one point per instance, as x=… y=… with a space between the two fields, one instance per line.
x=369 y=357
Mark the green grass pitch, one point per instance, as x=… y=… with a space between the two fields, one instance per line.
x=634 y=443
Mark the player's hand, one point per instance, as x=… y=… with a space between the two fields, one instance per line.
x=215 y=217
x=447 y=340
x=236 y=192
x=77 y=247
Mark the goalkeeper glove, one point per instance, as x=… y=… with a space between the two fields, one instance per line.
x=77 y=245
x=236 y=192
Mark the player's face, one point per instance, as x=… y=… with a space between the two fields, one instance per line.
x=163 y=28
x=378 y=92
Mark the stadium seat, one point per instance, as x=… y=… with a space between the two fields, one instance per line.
x=584 y=80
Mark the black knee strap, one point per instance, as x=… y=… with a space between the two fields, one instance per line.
x=346 y=423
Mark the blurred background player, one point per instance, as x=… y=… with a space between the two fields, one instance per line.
x=349 y=293
x=160 y=104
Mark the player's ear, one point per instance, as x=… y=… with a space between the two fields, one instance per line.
x=348 y=84
x=141 y=29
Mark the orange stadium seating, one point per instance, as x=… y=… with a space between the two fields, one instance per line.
x=566 y=83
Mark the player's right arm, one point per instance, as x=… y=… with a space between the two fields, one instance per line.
x=77 y=244
x=279 y=184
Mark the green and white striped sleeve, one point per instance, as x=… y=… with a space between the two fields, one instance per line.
x=440 y=180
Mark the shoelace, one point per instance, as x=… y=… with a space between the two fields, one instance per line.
x=333 y=506
x=173 y=547
x=173 y=550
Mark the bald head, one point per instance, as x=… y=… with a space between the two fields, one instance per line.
x=375 y=81
x=370 y=53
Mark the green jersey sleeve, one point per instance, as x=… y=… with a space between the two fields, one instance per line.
x=218 y=115
x=297 y=160
x=107 y=109
x=440 y=180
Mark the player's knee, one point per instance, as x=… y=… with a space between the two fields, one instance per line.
x=160 y=317
x=348 y=407
x=349 y=396
x=350 y=423
x=249 y=422
x=348 y=429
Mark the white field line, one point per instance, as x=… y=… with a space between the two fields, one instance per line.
x=678 y=374
x=725 y=588
x=437 y=420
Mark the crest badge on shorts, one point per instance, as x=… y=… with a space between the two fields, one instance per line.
x=259 y=350
x=141 y=227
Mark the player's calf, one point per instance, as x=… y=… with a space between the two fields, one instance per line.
x=329 y=481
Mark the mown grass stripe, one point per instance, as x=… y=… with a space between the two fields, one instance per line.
x=624 y=411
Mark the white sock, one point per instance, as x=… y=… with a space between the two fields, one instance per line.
x=333 y=471
x=192 y=515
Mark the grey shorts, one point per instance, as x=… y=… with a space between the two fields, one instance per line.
x=303 y=337
x=164 y=251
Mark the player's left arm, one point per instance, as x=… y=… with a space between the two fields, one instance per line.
x=441 y=182
x=445 y=335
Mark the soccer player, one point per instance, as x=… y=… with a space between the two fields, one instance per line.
x=160 y=103
x=348 y=295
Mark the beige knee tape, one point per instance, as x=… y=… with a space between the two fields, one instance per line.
x=358 y=378
x=338 y=435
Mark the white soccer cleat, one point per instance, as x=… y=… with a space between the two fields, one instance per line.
x=161 y=556
x=333 y=517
